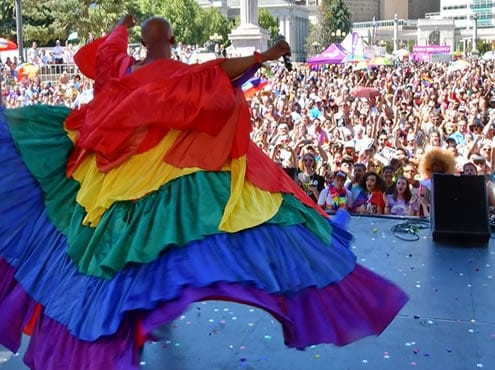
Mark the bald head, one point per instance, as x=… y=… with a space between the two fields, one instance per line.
x=157 y=36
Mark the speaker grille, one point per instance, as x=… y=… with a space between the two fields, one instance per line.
x=459 y=209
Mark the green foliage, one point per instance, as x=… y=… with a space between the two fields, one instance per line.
x=46 y=21
x=7 y=21
x=483 y=46
x=213 y=22
x=313 y=44
x=268 y=22
x=333 y=15
x=325 y=27
x=341 y=16
x=184 y=17
x=150 y=8
x=325 y=15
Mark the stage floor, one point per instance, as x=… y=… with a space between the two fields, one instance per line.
x=449 y=322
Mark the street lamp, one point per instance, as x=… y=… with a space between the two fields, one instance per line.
x=216 y=37
x=396 y=32
x=18 y=19
x=215 y=40
x=373 y=33
x=316 y=47
x=338 y=35
x=474 y=50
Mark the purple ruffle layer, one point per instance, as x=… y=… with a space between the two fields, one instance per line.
x=362 y=304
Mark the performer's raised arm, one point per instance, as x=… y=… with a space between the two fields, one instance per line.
x=234 y=67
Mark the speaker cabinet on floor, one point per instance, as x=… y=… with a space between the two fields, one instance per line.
x=459 y=209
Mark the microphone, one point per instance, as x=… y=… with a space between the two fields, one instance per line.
x=287 y=61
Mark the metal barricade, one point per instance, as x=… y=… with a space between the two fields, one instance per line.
x=53 y=72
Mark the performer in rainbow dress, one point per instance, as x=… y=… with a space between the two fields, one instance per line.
x=117 y=216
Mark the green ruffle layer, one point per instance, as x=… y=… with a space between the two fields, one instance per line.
x=186 y=209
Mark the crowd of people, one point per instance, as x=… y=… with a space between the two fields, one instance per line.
x=363 y=154
x=376 y=154
x=50 y=75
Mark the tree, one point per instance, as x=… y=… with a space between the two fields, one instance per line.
x=268 y=22
x=214 y=23
x=341 y=16
x=49 y=20
x=324 y=27
x=333 y=16
x=185 y=17
x=150 y=8
x=46 y=21
x=313 y=45
x=483 y=46
x=7 y=21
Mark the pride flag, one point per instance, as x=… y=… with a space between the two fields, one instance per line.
x=426 y=80
x=252 y=86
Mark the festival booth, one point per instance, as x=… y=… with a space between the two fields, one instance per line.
x=350 y=48
x=334 y=54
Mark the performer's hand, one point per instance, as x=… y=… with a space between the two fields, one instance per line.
x=280 y=49
x=127 y=20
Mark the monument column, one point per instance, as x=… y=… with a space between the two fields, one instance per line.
x=396 y=32
x=248 y=37
x=249 y=12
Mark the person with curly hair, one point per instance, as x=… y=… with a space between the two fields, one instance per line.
x=436 y=160
x=373 y=186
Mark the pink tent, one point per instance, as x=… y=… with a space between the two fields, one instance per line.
x=333 y=55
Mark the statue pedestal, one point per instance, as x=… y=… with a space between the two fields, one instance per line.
x=246 y=39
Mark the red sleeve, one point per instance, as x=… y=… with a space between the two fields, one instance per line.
x=85 y=58
x=105 y=58
x=112 y=59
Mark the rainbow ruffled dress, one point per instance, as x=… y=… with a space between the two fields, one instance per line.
x=115 y=218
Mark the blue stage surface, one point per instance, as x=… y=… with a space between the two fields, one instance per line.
x=449 y=322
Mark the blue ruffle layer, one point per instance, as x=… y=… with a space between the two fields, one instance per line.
x=267 y=257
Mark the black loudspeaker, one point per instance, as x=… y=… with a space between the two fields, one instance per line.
x=459 y=209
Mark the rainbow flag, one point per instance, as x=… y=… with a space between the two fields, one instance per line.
x=253 y=85
x=426 y=80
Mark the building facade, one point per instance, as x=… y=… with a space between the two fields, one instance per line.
x=389 y=8
x=363 y=10
x=462 y=12
x=293 y=18
x=417 y=9
x=374 y=19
